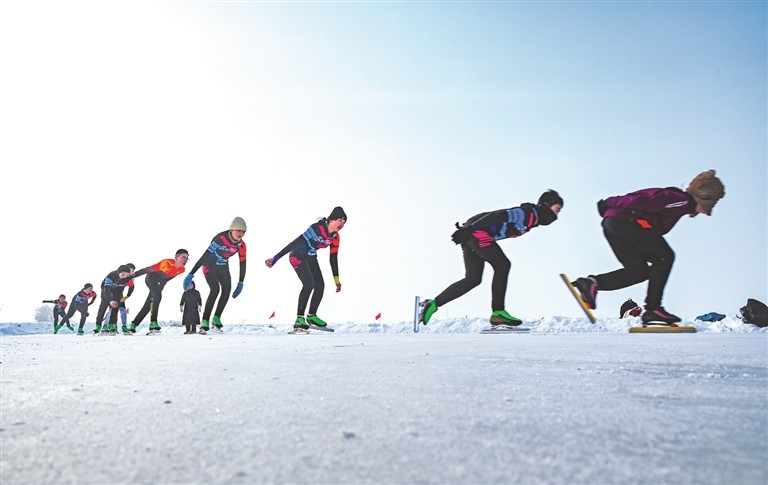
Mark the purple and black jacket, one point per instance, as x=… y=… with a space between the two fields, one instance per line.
x=651 y=208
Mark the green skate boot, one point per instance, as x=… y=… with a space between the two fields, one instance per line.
x=97 y=329
x=217 y=324
x=428 y=308
x=300 y=323
x=204 y=327
x=501 y=317
x=154 y=327
x=125 y=329
x=315 y=321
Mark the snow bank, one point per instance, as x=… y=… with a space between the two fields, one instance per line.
x=557 y=324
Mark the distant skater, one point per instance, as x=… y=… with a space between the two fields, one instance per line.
x=303 y=257
x=59 y=310
x=80 y=303
x=478 y=237
x=215 y=264
x=191 y=305
x=634 y=225
x=158 y=275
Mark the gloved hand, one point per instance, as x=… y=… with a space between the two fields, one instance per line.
x=181 y=308
x=188 y=281
x=237 y=291
x=338 y=283
x=602 y=207
x=462 y=234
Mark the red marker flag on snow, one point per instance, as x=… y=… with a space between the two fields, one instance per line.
x=378 y=316
x=271 y=316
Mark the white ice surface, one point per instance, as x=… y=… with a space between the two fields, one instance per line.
x=569 y=403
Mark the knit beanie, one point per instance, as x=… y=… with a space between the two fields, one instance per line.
x=706 y=189
x=337 y=213
x=238 y=224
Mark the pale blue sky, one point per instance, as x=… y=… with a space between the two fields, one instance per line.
x=131 y=130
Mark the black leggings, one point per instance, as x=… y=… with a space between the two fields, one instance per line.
x=218 y=279
x=475 y=258
x=76 y=307
x=308 y=271
x=103 y=306
x=58 y=312
x=152 y=303
x=636 y=248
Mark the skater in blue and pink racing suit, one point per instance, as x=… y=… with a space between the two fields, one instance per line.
x=303 y=258
x=478 y=237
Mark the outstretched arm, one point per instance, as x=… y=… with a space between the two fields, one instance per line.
x=290 y=247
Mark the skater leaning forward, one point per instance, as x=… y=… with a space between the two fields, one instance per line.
x=215 y=264
x=634 y=225
x=111 y=293
x=121 y=304
x=303 y=257
x=158 y=275
x=59 y=310
x=80 y=303
x=478 y=237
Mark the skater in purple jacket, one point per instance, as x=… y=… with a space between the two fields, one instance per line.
x=634 y=225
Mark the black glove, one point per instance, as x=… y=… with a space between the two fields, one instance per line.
x=602 y=207
x=462 y=234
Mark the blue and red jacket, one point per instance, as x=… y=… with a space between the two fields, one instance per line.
x=658 y=208
x=317 y=236
x=222 y=248
x=84 y=298
x=112 y=286
x=489 y=227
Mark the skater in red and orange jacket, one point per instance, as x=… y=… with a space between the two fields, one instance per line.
x=157 y=276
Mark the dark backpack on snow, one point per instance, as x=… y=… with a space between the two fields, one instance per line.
x=755 y=312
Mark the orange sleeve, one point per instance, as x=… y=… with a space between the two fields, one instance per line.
x=335 y=244
x=241 y=252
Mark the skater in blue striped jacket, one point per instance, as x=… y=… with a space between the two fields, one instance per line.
x=303 y=257
x=478 y=237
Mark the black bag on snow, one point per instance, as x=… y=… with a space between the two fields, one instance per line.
x=755 y=312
